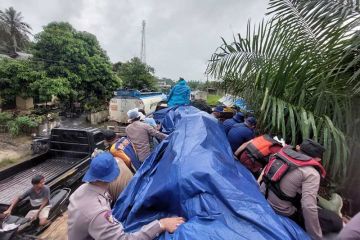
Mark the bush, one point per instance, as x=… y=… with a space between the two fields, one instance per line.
x=21 y=124
x=5 y=117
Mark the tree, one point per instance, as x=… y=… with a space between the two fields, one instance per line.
x=27 y=79
x=77 y=57
x=136 y=75
x=294 y=70
x=46 y=88
x=16 y=77
x=13 y=31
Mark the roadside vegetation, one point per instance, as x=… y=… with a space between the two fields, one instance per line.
x=212 y=99
x=299 y=70
x=62 y=62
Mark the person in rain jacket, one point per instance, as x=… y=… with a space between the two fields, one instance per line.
x=179 y=94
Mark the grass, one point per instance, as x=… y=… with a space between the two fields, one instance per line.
x=7 y=162
x=212 y=99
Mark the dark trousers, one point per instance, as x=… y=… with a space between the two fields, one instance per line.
x=330 y=222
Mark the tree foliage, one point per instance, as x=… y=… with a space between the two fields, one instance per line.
x=13 y=31
x=77 y=57
x=298 y=70
x=25 y=78
x=16 y=77
x=136 y=75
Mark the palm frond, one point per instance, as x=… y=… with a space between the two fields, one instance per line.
x=299 y=71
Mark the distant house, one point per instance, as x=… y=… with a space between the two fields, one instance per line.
x=21 y=56
x=162 y=84
x=17 y=55
x=2 y=56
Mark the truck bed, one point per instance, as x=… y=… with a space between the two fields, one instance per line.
x=20 y=182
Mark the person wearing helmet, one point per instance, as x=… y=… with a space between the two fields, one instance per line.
x=89 y=212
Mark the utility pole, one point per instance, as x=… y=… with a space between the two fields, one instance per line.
x=143 y=43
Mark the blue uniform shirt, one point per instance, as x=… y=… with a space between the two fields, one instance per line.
x=228 y=124
x=239 y=134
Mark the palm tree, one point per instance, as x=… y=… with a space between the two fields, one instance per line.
x=298 y=71
x=13 y=31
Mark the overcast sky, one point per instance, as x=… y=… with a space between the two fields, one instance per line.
x=181 y=35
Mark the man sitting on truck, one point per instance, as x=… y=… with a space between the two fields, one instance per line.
x=179 y=94
x=139 y=134
x=39 y=196
x=89 y=211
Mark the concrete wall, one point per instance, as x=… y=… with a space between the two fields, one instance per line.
x=24 y=103
x=98 y=117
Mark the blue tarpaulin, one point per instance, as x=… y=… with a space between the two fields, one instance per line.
x=193 y=174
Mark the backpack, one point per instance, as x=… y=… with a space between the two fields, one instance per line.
x=259 y=148
x=282 y=163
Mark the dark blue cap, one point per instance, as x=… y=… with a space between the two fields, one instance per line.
x=251 y=121
x=219 y=109
x=102 y=168
x=239 y=117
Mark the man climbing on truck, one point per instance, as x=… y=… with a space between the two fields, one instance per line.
x=39 y=196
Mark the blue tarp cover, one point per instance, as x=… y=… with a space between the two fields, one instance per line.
x=193 y=174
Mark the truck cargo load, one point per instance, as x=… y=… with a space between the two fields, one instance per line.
x=125 y=100
x=193 y=174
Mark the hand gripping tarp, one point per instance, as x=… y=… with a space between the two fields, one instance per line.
x=193 y=174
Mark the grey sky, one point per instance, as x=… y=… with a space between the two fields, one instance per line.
x=181 y=35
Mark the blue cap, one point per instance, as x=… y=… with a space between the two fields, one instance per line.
x=251 y=121
x=239 y=117
x=102 y=168
x=219 y=109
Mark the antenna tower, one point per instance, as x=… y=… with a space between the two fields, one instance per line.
x=143 y=43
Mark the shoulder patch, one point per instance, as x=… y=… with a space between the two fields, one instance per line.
x=109 y=217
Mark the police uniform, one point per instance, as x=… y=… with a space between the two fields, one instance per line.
x=90 y=217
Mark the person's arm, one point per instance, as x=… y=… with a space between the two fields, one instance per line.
x=13 y=204
x=104 y=226
x=155 y=133
x=310 y=188
x=241 y=148
x=15 y=201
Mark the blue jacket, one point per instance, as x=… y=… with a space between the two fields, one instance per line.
x=229 y=123
x=239 y=134
x=179 y=94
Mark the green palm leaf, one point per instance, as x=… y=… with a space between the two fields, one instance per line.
x=299 y=71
